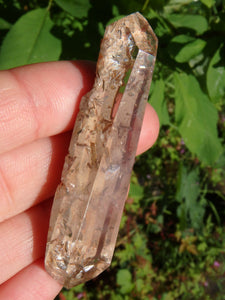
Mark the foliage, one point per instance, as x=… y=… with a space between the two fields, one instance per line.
x=35 y=44
x=172 y=237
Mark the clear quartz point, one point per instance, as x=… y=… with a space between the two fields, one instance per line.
x=89 y=201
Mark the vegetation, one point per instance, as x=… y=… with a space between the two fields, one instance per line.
x=172 y=239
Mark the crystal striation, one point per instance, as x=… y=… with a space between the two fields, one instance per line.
x=89 y=202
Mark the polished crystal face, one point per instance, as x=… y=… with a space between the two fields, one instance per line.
x=89 y=202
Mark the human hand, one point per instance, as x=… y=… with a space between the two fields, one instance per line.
x=38 y=106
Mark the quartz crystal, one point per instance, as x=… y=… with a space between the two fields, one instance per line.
x=89 y=201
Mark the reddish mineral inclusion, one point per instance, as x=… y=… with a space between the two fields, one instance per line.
x=89 y=202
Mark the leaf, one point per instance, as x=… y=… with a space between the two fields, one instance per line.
x=30 y=41
x=182 y=39
x=77 y=8
x=167 y=296
x=124 y=280
x=140 y=284
x=190 y=50
x=127 y=254
x=216 y=76
x=187 y=194
x=197 y=23
x=136 y=191
x=196 y=118
x=4 y=24
x=161 y=28
x=114 y=296
x=208 y=3
x=158 y=102
x=140 y=247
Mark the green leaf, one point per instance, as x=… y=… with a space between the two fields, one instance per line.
x=187 y=194
x=136 y=191
x=197 y=23
x=140 y=284
x=30 y=41
x=196 y=118
x=167 y=296
x=70 y=293
x=127 y=254
x=114 y=296
x=182 y=39
x=216 y=76
x=140 y=246
x=4 y=24
x=157 y=100
x=190 y=50
x=161 y=27
x=208 y=3
x=77 y=8
x=124 y=280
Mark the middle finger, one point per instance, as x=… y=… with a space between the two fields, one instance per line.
x=30 y=174
x=25 y=237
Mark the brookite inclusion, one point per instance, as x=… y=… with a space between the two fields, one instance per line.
x=89 y=201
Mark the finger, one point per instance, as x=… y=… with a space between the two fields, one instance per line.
x=149 y=130
x=40 y=100
x=31 y=283
x=31 y=226
x=25 y=238
x=30 y=174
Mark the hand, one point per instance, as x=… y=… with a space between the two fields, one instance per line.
x=38 y=107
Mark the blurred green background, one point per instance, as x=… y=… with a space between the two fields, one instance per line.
x=172 y=240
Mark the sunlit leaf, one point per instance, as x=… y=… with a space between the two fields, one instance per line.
x=124 y=280
x=30 y=41
x=136 y=191
x=197 y=23
x=191 y=209
x=77 y=8
x=190 y=50
x=196 y=118
x=157 y=100
x=208 y=3
x=216 y=76
x=182 y=39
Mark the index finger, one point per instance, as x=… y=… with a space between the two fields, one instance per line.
x=41 y=100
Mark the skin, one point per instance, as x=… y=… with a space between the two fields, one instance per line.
x=38 y=107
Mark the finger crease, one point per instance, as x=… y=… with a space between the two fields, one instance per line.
x=6 y=191
x=31 y=104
